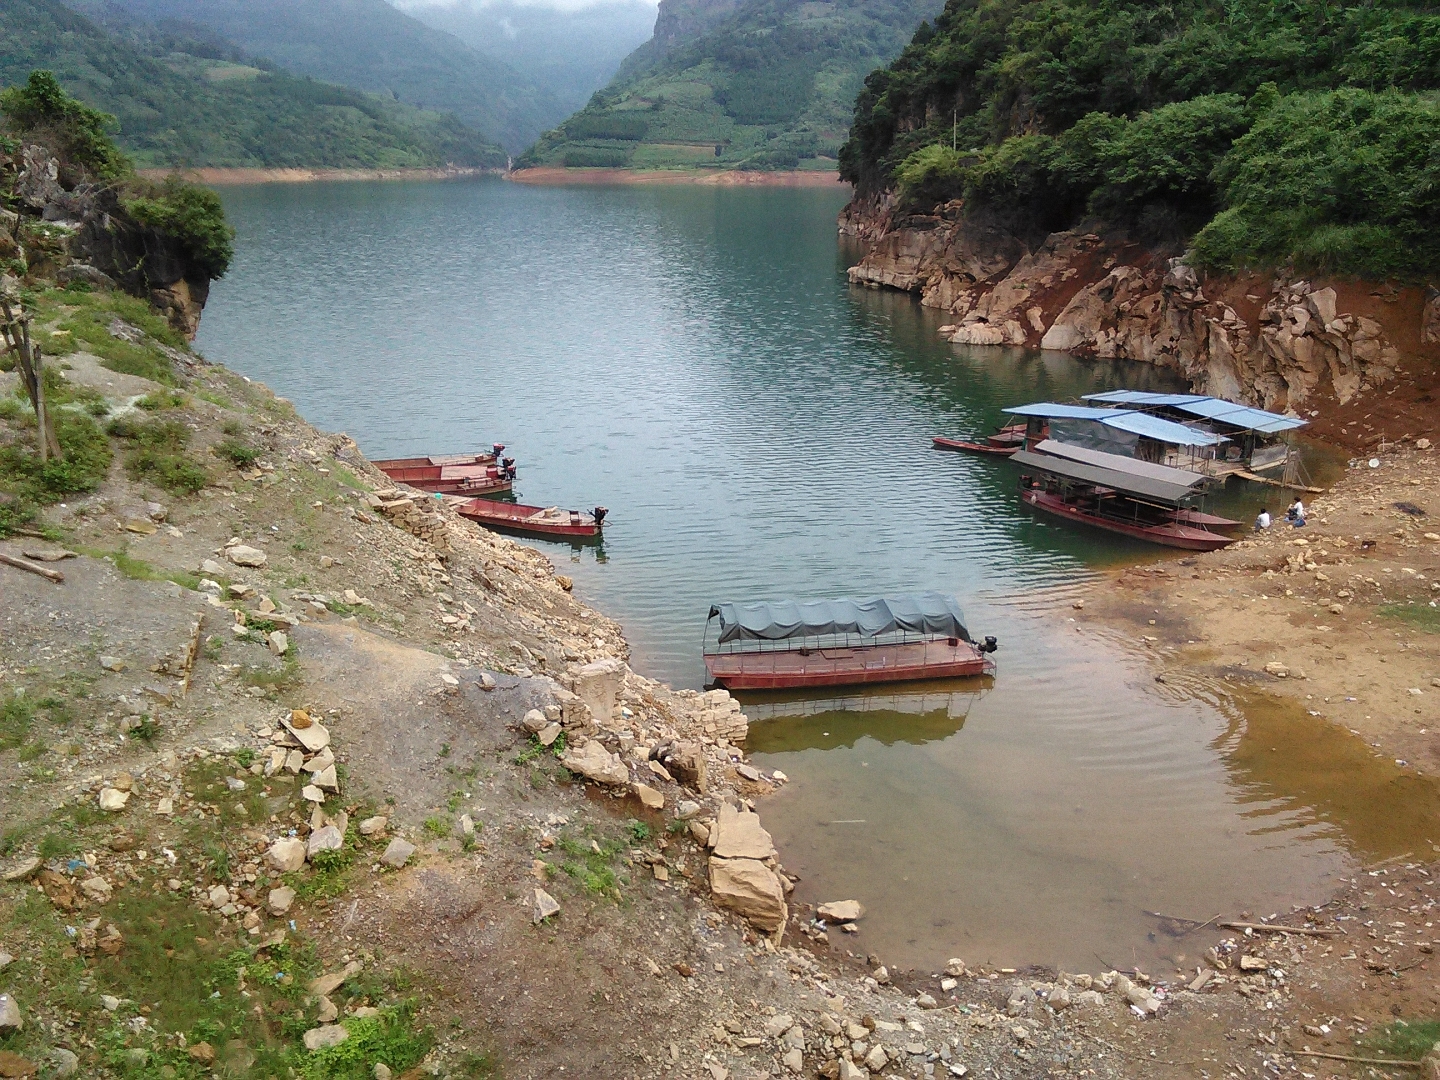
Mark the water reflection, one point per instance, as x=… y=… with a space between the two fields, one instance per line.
x=916 y=714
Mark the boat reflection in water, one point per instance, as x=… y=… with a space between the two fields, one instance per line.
x=919 y=713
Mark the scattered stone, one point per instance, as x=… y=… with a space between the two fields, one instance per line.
x=841 y=911
x=277 y=642
x=397 y=853
x=311 y=793
x=381 y=1071
x=12 y=1064
x=594 y=762
x=97 y=889
x=328 y=1011
x=794 y=1060
x=242 y=555
x=1058 y=998
x=533 y=721
x=686 y=810
x=286 y=855
x=1253 y=963
x=219 y=896
x=22 y=870
x=1279 y=670
x=234 y=783
x=202 y=1052
x=545 y=906
x=487 y=681
x=751 y=888
x=926 y=1001
x=373 y=826
x=326 y=839
x=749 y=772
x=280 y=899
x=165 y=807
x=848 y=1071
x=651 y=798
x=109 y=1002
x=63 y=1063
x=112 y=663
x=548 y=734
x=325 y=1035
x=10 y=1018
x=877 y=1059
x=327 y=779
x=312 y=736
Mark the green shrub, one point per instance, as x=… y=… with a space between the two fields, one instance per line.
x=607 y=126
x=932 y=174
x=78 y=133
x=86 y=458
x=191 y=215
x=239 y=454
x=157 y=454
x=390 y=1038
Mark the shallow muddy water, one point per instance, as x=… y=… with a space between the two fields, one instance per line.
x=693 y=359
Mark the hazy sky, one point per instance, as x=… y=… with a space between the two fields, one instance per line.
x=562 y=5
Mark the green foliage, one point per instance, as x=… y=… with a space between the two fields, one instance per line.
x=390 y=1038
x=1421 y=616
x=157 y=454
x=437 y=827
x=173 y=111
x=1340 y=182
x=607 y=126
x=189 y=215
x=86 y=458
x=930 y=175
x=1407 y=1040
x=1296 y=131
x=595 y=157
x=240 y=454
x=638 y=830
x=78 y=133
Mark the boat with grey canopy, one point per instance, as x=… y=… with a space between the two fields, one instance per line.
x=819 y=643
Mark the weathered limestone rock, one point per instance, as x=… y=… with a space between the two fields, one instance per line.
x=751 y=888
x=841 y=911
x=651 y=798
x=545 y=906
x=594 y=762
x=10 y=1018
x=373 y=826
x=325 y=1035
x=326 y=839
x=244 y=555
x=286 y=855
x=397 y=853
x=112 y=800
x=598 y=686
x=280 y=899
x=737 y=834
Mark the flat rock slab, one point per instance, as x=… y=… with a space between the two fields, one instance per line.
x=841 y=911
x=594 y=762
x=325 y=1035
x=751 y=888
x=397 y=853
x=738 y=835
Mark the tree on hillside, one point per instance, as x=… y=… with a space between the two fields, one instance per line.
x=76 y=133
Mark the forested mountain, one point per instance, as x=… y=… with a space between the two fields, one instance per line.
x=1258 y=131
x=184 y=102
x=367 y=45
x=754 y=84
x=569 y=53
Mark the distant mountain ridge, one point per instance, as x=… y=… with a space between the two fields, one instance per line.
x=570 y=53
x=749 y=84
x=370 y=45
x=185 y=103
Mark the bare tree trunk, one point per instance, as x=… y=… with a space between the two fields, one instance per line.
x=30 y=365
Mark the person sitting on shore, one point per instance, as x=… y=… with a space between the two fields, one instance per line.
x=1296 y=514
x=1263 y=521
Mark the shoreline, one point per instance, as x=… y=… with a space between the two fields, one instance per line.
x=558 y=176
x=214 y=176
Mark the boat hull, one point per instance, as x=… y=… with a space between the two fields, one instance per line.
x=1169 y=535
x=865 y=665
x=457 y=474
x=522 y=519
x=940 y=442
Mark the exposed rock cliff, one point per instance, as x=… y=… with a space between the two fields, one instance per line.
x=1274 y=343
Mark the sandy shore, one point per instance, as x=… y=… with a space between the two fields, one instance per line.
x=717 y=178
x=225 y=177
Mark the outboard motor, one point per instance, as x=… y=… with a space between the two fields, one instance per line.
x=498 y=448
x=989 y=645
x=508 y=468
x=600 y=513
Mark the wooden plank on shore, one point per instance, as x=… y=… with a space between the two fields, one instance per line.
x=34 y=568
x=1246 y=475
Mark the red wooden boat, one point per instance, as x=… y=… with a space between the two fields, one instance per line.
x=1171 y=533
x=1003 y=443
x=535 y=520
x=824 y=643
x=454 y=474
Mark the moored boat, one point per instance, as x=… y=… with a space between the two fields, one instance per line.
x=1003 y=443
x=454 y=474
x=535 y=520
x=823 y=643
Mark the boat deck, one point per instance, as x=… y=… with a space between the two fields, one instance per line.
x=903 y=662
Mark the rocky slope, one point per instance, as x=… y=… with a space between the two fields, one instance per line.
x=1279 y=343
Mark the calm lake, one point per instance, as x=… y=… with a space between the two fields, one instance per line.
x=693 y=359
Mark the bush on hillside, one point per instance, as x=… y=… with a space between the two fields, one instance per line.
x=191 y=215
x=595 y=157
x=74 y=131
x=1346 y=181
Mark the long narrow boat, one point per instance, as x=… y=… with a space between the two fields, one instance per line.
x=822 y=643
x=1002 y=444
x=454 y=474
x=535 y=520
x=1170 y=533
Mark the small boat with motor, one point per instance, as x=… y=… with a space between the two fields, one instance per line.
x=454 y=474
x=821 y=643
x=1003 y=443
x=535 y=520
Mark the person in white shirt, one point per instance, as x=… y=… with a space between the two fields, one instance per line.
x=1263 y=521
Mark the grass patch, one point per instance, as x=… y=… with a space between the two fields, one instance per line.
x=26 y=482
x=437 y=827
x=238 y=453
x=390 y=1037
x=157 y=454
x=1407 y=1040
x=1422 y=616
x=19 y=712
x=139 y=569
x=88 y=316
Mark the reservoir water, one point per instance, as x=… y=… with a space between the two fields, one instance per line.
x=693 y=359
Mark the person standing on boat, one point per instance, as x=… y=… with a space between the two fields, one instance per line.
x=1263 y=521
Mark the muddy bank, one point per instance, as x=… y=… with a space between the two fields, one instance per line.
x=1284 y=343
x=218 y=177
x=719 y=178
x=1338 y=618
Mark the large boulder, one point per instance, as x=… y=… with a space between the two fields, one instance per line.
x=598 y=686
x=751 y=888
x=594 y=762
